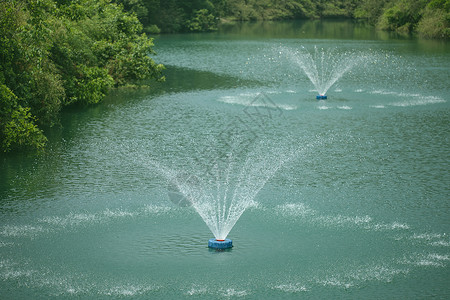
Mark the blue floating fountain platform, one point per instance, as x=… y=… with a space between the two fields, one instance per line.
x=321 y=97
x=215 y=244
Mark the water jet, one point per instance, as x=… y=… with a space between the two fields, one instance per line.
x=220 y=193
x=323 y=67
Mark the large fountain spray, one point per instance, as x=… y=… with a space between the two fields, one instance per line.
x=221 y=194
x=323 y=67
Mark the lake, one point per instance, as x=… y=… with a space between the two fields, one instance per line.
x=345 y=198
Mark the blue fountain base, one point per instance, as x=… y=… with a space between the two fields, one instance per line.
x=321 y=97
x=213 y=243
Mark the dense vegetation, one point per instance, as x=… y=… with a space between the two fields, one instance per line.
x=203 y=15
x=430 y=18
x=59 y=53
x=55 y=53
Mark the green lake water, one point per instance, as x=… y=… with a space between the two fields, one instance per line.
x=361 y=211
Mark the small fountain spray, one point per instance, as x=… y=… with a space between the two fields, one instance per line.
x=323 y=67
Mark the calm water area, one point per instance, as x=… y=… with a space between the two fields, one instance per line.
x=360 y=212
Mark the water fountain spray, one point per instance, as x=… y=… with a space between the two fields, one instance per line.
x=323 y=67
x=222 y=194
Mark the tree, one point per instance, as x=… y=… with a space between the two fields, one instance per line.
x=18 y=130
x=435 y=22
x=402 y=16
x=202 y=21
x=59 y=53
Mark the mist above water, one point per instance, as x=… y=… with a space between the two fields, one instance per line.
x=323 y=67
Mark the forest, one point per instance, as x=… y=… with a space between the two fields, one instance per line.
x=428 y=18
x=60 y=53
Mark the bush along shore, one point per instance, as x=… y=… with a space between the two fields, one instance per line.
x=59 y=53
x=428 y=18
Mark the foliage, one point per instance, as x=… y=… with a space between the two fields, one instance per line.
x=370 y=10
x=202 y=21
x=336 y=8
x=402 y=16
x=270 y=9
x=18 y=129
x=174 y=15
x=428 y=18
x=56 y=53
x=92 y=85
x=201 y=15
x=21 y=133
x=435 y=22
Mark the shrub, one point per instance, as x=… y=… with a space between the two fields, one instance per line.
x=57 y=53
x=403 y=16
x=202 y=21
x=435 y=22
x=17 y=128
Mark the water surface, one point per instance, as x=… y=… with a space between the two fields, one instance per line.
x=361 y=212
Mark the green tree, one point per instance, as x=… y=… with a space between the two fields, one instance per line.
x=18 y=130
x=59 y=53
x=202 y=21
x=402 y=16
x=435 y=22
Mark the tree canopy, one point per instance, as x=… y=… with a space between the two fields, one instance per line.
x=430 y=18
x=59 y=53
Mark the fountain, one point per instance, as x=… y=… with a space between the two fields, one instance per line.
x=323 y=67
x=221 y=194
x=220 y=244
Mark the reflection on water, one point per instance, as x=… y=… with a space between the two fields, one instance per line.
x=316 y=29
